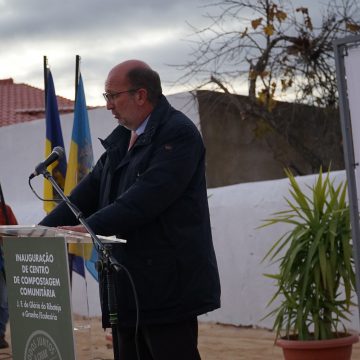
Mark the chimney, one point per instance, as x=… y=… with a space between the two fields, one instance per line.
x=9 y=81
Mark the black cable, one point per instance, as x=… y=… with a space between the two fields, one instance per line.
x=39 y=197
x=132 y=283
x=70 y=204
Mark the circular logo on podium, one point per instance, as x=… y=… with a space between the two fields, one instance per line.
x=41 y=346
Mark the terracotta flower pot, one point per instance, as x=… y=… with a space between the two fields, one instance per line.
x=334 y=349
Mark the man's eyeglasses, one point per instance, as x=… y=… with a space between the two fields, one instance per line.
x=109 y=97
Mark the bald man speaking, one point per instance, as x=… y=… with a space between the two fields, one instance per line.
x=149 y=188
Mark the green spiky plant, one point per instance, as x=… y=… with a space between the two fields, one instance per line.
x=316 y=276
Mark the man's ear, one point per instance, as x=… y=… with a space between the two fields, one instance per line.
x=141 y=96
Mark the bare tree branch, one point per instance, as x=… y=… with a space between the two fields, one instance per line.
x=275 y=51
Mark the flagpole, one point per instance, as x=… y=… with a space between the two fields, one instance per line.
x=77 y=74
x=77 y=71
x=45 y=76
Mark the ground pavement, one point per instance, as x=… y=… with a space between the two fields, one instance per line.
x=216 y=342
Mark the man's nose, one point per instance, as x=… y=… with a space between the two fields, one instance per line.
x=109 y=105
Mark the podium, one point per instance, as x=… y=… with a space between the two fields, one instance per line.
x=42 y=322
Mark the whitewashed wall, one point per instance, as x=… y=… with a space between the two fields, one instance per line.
x=236 y=213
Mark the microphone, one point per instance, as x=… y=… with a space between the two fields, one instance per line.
x=57 y=153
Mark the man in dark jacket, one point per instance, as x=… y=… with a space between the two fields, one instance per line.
x=149 y=188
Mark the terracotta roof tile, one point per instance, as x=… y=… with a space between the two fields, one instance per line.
x=22 y=103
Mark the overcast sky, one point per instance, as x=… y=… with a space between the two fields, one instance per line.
x=102 y=32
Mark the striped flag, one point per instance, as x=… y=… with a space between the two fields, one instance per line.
x=81 y=161
x=53 y=138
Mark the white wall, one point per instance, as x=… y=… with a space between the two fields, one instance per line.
x=236 y=213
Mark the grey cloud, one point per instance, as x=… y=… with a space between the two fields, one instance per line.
x=44 y=18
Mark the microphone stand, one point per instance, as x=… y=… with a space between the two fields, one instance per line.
x=108 y=262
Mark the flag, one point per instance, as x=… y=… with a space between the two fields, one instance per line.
x=81 y=161
x=53 y=138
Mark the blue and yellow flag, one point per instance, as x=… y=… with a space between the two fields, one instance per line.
x=81 y=161
x=53 y=138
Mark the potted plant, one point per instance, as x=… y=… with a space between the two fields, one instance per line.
x=316 y=277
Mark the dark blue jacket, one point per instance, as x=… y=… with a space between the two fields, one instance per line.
x=154 y=196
